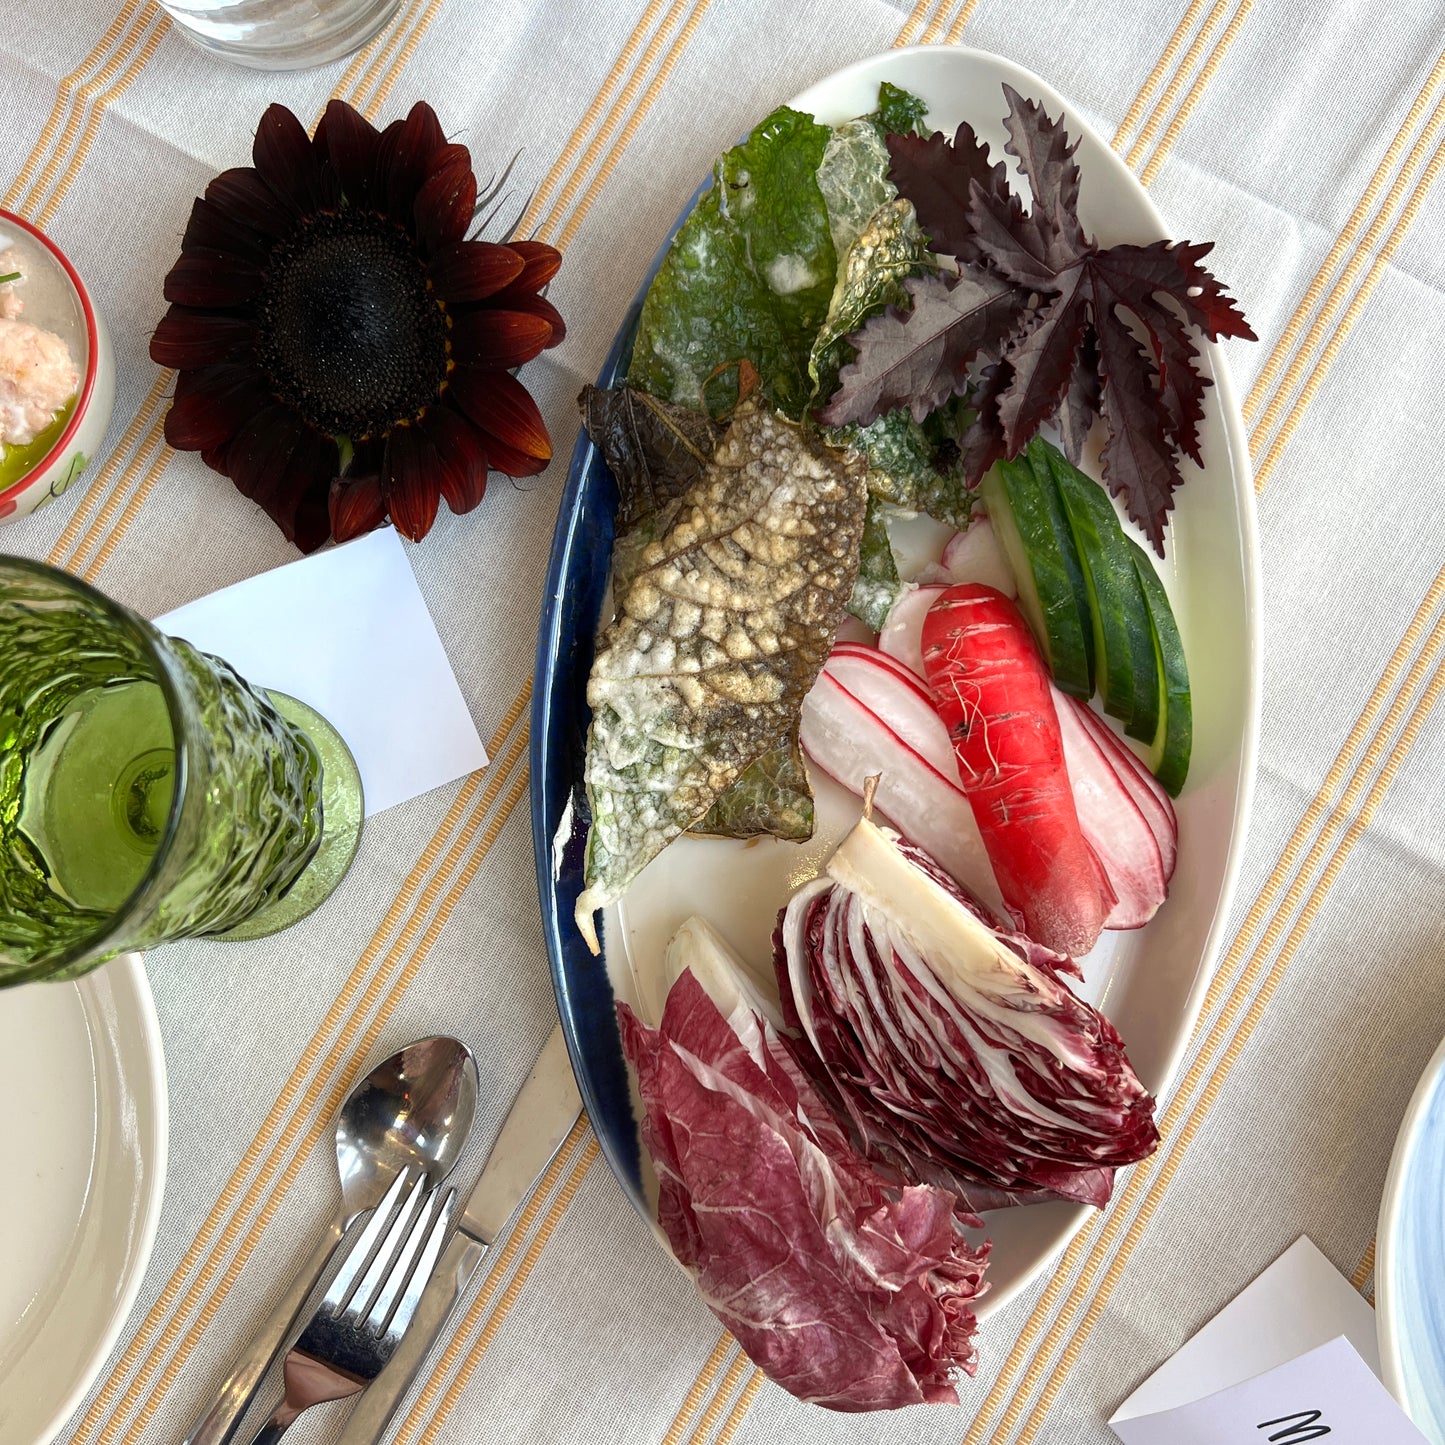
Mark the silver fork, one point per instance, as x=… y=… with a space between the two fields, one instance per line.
x=359 y=1324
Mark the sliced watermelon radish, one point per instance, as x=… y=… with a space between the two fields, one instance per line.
x=902 y=634
x=899 y=700
x=1143 y=787
x=1113 y=825
x=851 y=743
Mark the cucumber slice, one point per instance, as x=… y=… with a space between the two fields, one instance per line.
x=1172 y=743
x=1053 y=596
x=1123 y=636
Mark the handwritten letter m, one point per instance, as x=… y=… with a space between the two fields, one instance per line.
x=1302 y=1426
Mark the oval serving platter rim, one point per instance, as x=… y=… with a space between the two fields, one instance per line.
x=581 y=981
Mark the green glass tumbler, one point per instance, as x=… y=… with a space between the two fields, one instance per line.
x=147 y=792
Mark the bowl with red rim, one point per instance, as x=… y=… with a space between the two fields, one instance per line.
x=56 y=301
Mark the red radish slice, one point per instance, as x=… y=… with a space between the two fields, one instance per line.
x=992 y=691
x=851 y=629
x=899 y=701
x=852 y=744
x=1113 y=826
x=974 y=556
x=902 y=634
x=882 y=659
x=1152 y=801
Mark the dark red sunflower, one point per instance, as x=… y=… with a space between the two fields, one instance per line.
x=344 y=351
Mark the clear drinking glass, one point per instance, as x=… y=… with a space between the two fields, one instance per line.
x=147 y=792
x=280 y=34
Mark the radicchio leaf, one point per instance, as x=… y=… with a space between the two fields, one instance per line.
x=847 y=1293
x=957 y=1049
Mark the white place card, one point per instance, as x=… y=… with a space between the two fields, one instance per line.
x=1300 y=1302
x=1328 y=1394
x=348 y=632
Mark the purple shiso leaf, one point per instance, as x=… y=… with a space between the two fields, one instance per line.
x=980 y=1071
x=848 y=1293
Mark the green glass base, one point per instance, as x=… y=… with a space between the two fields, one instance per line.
x=341 y=814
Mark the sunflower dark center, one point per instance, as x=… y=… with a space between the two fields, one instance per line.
x=351 y=335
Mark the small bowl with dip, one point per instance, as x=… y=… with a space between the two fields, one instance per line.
x=57 y=371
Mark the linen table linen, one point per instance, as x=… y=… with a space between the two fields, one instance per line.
x=1304 y=139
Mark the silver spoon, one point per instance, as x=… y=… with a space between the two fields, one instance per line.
x=414 y=1109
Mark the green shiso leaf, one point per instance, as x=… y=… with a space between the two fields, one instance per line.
x=899 y=112
x=915 y=467
x=749 y=275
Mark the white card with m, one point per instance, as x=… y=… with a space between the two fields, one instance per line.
x=1329 y=1394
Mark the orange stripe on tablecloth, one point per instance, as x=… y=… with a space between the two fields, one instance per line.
x=96 y=490
x=1191 y=1128
x=622 y=108
x=347 y=1076
x=504 y=1306
x=391 y=38
x=649 y=98
x=744 y=1404
x=1347 y=322
x=1347 y=279
x=91 y=128
x=1172 y=91
x=1285 y=346
x=955 y=34
x=1162 y=67
x=132 y=510
x=590 y=117
x=64 y=96
x=1151 y=171
x=910 y=26
x=406 y=897
x=413 y=40
x=721 y=1396
x=1274 y=885
x=693 y=1398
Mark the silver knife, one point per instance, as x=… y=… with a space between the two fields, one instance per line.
x=540 y=1120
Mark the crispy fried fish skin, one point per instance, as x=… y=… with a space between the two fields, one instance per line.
x=722 y=627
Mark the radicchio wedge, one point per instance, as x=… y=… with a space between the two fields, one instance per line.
x=957 y=1051
x=848 y=1293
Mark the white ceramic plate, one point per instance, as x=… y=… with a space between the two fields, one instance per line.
x=1410 y=1258
x=83 y=1137
x=1150 y=982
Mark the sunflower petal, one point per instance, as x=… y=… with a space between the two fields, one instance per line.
x=353 y=144
x=447 y=201
x=463 y=455
x=356 y=508
x=185 y=338
x=502 y=407
x=406 y=160
x=258 y=452
x=202 y=277
x=473 y=270
x=511 y=462
x=542 y=265
x=211 y=405
x=286 y=160
x=311 y=524
x=283 y=465
x=211 y=229
x=411 y=482
x=537 y=306
x=499 y=339
x=243 y=197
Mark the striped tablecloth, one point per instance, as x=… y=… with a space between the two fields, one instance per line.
x=1303 y=137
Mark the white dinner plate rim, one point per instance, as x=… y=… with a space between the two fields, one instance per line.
x=128 y=972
